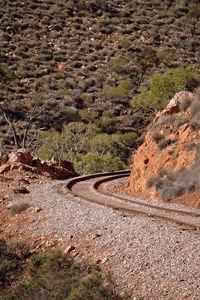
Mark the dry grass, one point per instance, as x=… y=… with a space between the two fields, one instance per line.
x=157 y=137
x=176 y=184
x=17 y=208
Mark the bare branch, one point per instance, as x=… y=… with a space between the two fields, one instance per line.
x=10 y=123
x=34 y=136
x=32 y=116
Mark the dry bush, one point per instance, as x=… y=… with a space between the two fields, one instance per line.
x=185 y=104
x=154 y=181
x=157 y=137
x=165 y=120
x=176 y=184
x=179 y=123
x=164 y=143
x=195 y=107
x=172 y=191
x=195 y=122
x=17 y=208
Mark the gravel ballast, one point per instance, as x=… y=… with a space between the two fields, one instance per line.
x=148 y=259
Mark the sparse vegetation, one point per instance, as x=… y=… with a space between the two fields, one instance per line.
x=179 y=123
x=157 y=137
x=17 y=208
x=162 y=88
x=87 y=147
x=99 y=60
x=52 y=275
x=176 y=184
x=164 y=120
x=11 y=263
x=162 y=144
x=185 y=104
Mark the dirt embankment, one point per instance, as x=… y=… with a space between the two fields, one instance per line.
x=18 y=172
x=166 y=166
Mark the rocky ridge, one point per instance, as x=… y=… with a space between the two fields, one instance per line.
x=165 y=165
x=23 y=161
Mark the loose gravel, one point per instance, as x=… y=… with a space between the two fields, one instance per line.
x=148 y=259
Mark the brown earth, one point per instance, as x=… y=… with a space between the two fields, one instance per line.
x=25 y=161
x=151 y=160
x=18 y=172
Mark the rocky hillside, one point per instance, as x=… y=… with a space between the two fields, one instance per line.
x=166 y=166
x=88 y=58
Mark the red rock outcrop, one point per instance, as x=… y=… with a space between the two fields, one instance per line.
x=25 y=161
x=149 y=159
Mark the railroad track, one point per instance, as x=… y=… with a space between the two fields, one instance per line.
x=92 y=188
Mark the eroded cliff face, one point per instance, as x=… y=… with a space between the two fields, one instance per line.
x=170 y=148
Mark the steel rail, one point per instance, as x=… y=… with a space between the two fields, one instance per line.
x=159 y=211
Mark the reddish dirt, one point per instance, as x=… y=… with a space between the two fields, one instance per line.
x=150 y=159
x=17 y=174
x=191 y=200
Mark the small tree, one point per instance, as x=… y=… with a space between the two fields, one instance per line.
x=23 y=141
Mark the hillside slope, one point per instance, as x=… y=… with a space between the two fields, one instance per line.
x=89 y=57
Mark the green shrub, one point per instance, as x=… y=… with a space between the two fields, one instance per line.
x=103 y=143
x=64 y=92
x=88 y=115
x=88 y=149
x=117 y=63
x=129 y=138
x=87 y=98
x=107 y=124
x=53 y=275
x=163 y=87
x=10 y=264
x=117 y=93
x=6 y=74
x=124 y=43
x=93 y=162
x=126 y=84
x=67 y=145
x=165 y=54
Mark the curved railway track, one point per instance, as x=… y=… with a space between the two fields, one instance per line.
x=92 y=188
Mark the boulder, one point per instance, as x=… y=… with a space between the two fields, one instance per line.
x=22 y=160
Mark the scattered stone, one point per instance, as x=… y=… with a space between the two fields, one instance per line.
x=95 y=235
x=70 y=236
x=38 y=209
x=69 y=249
x=21 y=190
x=74 y=253
x=104 y=260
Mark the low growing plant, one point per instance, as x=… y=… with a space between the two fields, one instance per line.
x=163 y=87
